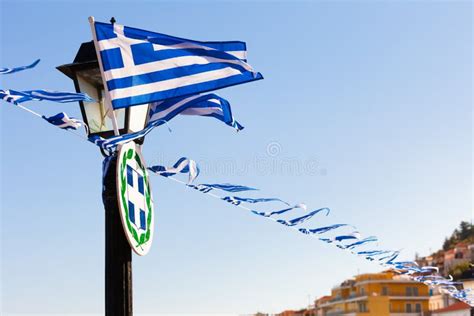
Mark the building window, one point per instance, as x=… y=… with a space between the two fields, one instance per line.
x=384 y=291
x=362 y=291
x=411 y=291
x=418 y=308
x=415 y=291
x=363 y=307
x=408 y=308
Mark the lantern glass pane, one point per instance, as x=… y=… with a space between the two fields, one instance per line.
x=96 y=114
x=138 y=116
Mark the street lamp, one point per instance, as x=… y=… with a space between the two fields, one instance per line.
x=85 y=73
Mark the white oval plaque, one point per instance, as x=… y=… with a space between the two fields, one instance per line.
x=134 y=197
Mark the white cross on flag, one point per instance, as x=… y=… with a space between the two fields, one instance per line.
x=141 y=67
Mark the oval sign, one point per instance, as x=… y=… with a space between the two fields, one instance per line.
x=135 y=199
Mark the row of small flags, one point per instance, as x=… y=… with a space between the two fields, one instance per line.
x=61 y=120
x=351 y=241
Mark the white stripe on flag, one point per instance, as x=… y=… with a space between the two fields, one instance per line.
x=168 y=64
x=201 y=111
x=173 y=83
x=120 y=39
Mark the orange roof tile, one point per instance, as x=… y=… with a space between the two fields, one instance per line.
x=459 y=306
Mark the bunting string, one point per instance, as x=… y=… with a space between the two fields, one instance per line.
x=349 y=241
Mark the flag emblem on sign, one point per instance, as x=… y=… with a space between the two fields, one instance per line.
x=135 y=201
x=136 y=198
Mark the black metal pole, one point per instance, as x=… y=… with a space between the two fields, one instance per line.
x=118 y=255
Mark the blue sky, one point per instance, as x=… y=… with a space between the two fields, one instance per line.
x=366 y=108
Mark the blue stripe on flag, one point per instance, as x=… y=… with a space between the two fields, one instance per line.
x=144 y=53
x=186 y=90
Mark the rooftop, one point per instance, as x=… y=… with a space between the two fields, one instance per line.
x=459 y=306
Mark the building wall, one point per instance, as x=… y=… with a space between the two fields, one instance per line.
x=440 y=301
x=378 y=294
x=459 y=254
x=379 y=305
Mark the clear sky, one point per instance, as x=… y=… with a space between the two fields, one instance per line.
x=366 y=108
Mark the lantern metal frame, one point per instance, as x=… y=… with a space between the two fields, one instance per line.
x=86 y=60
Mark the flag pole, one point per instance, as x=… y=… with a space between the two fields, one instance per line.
x=108 y=103
x=118 y=254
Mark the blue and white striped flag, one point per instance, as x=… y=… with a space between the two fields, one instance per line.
x=210 y=105
x=144 y=67
x=62 y=120
x=236 y=200
x=111 y=143
x=321 y=230
x=4 y=71
x=161 y=112
x=17 y=97
x=183 y=165
x=228 y=187
x=304 y=218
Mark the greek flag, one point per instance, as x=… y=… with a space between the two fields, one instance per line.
x=111 y=143
x=210 y=105
x=144 y=67
x=62 y=120
x=4 y=71
x=183 y=165
x=228 y=187
x=17 y=97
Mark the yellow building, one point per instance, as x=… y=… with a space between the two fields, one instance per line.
x=377 y=294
